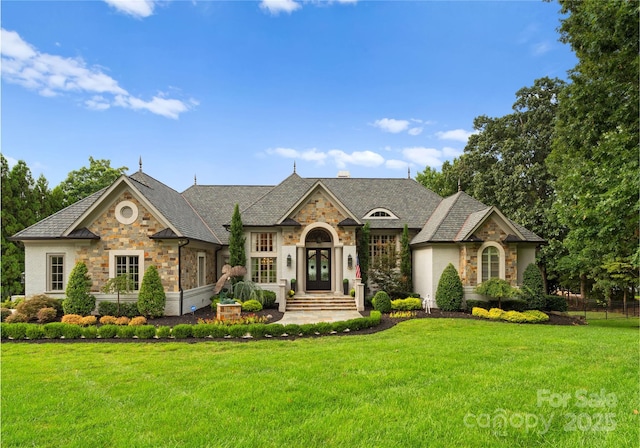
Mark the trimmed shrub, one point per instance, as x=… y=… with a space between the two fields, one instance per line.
x=375 y=317
x=340 y=326
x=31 y=306
x=3 y=330
x=90 y=332
x=450 y=292
x=257 y=330
x=202 y=330
x=17 y=330
x=124 y=320
x=107 y=308
x=182 y=331
x=53 y=330
x=268 y=299
x=555 y=303
x=471 y=304
x=71 y=331
x=128 y=309
x=125 y=332
x=163 y=332
x=4 y=313
x=513 y=304
x=495 y=313
x=108 y=320
x=79 y=300
x=536 y=316
x=292 y=329
x=480 y=312
x=108 y=331
x=274 y=329
x=408 y=304
x=35 y=331
x=145 y=331
x=16 y=318
x=139 y=320
x=237 y=331
x=46 y=315
x=496 y=289
x=381 y=302
x=251 y=306
x=74 y=319
x=87 y=321
x=533 y=287
x=151 y=297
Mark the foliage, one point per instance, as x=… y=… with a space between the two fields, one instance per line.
x=34 y=332
x=449 y=293
x=87 y=180
x=470 y=304
x=363 y=255
x=15 y=330
x=16 y=317
x=121 y=284
x=246 y=290
x=46 y=315
x=384 y=273
x=381 y=302
x=237 y=255
x=125 y=332
x=5 y=312
x=181 y=331
x=595 y=153
x=70 y=331
x=53 y=330
x=145 y=331
x=511 y=304
x=74 y=319
x=406 y=280
x=108 y=320
x=163 y=332
x=151 y=297
x=555 y=303
x=495 y=289
x=123 y=320
x=480 y=312
x=411 y=303
x=137 y=321
x=268 y=299
x=90 y=332
x=107 y=331
x=251 y=306
x=79 y=300
x=444 y=182
x=529 y=316
x=533 y=287
x=31 y=307
x=402 y=314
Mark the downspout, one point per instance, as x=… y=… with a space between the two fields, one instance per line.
x=180 y=246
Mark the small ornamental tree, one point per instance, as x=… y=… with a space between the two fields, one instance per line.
x=121 y=284
x=533 y=287
x=151 y=297
x=79 y=300
x=496 y=289
x=449 y=293
x=237 y=255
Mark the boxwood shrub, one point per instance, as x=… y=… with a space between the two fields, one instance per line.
x=274 y=329
x=126 y=332
x=16 y=330
x=251 y=306
x=163 y=332
x=90 y=332
x=145 y=331
x=268 y=299
x=71 y=331
x=35 y=331
x=449 y=293
x=53 y=330
x=555 y=303
x=471 y=304
x=292 y=329
x=408 y=304
x=381 y=302
x=108 y=331
x=182 y=331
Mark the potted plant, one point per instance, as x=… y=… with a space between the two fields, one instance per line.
x=293 y=284
x=291 y=293
x=345 y=286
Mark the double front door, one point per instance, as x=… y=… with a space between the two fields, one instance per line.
x=319 y=269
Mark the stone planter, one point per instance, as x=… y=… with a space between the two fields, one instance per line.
x=229 y=312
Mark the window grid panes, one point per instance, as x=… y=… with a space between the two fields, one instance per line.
x=490 y=263
x=263 y=242
x=263 y=270
x=379 y=245
x=56 y=273
x=129 y=264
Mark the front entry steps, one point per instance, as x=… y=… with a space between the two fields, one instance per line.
x=320 y=302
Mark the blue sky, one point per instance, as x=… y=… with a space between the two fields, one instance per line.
x=234 y=92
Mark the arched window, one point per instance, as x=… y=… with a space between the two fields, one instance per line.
x=490 y=263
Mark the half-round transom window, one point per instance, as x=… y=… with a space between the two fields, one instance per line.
x=126 y=212
x=380 y=213
x=318 y=236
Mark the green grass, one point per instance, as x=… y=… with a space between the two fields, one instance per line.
x=427 y=382
x=608 y=320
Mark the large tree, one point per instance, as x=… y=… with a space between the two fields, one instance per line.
x=87 y=180
x=446 y=181
x=237 y=254
x=595 y=152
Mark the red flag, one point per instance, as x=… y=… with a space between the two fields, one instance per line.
x=358 y=273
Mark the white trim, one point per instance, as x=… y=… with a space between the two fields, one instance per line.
x=123 y=219
x=320 y=225
x=501 y=259
x=126 y=253
x=201 y=274
x=383 y=210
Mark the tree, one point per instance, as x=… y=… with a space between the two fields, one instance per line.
x=79 y=300
x=384 y=272
x=405 y=261
x=121 y=284
x=495 y=289
x=449 y=293
x=595 y=150
x=151 y=297
x=237 y=256
x=363 y=254
x=446 y=181
x=87 y=180
x=533 y=287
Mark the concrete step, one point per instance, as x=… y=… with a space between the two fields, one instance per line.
x=321 y=303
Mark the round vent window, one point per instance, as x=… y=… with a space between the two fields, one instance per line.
x=126 y=212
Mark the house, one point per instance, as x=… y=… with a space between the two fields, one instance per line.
x=302 y=228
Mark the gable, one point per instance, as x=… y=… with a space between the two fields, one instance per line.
x=319 y=206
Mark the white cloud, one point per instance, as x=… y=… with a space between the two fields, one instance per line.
x=541 y=48
x=275 y=7
x=450 y=153
x=52 y=75
x=391 y=125
x=415 y=131
x=397 y=164
x=311 y=155
x=422 y=156
x=136 y=8
x=459 y=135
x=360 y=158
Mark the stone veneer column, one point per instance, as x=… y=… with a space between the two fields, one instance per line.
x=300 y=267
x=338 y=270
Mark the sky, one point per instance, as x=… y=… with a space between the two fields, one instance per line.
x=236 y=92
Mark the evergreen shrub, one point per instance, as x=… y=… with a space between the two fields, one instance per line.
x=449 y=293
x=381 y=302
x=151 y=297
x=79 y=300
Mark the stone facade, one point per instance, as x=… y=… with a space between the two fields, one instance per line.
x=190 y=267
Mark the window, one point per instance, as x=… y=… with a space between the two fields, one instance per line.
x=202 y=272
x=381 y=213
x=263 y=269
x=490 y=263
x=56 y=273
x=130 y=265
x=381 y=245
x=262 y=242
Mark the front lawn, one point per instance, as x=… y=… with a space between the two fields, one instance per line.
x=426 y=382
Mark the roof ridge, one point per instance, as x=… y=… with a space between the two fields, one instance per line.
x=201 y=219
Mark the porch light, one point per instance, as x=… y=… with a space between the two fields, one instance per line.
x=350 y=262
x=289 y=260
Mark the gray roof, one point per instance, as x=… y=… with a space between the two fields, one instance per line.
x=202 y=211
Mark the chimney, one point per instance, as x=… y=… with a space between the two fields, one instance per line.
x=343 y=174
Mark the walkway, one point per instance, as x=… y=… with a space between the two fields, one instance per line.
x=312 y=317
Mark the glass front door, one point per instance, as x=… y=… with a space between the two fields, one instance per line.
x=319 y=269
